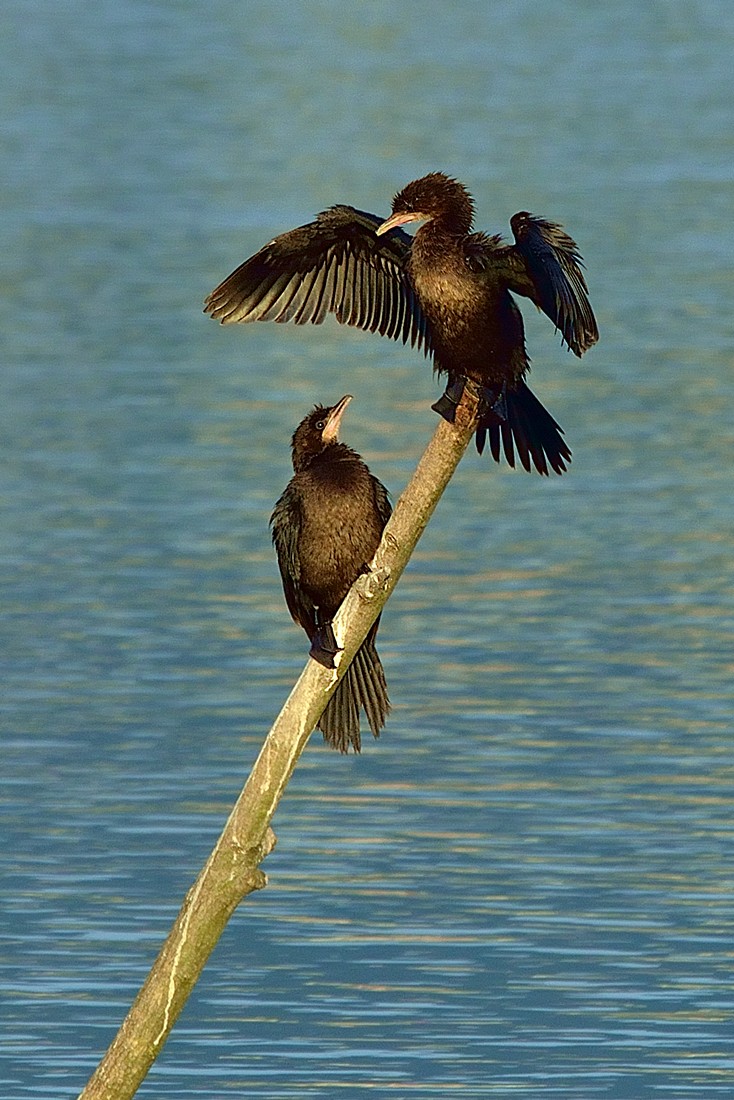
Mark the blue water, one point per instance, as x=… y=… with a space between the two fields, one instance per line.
x=526 y=887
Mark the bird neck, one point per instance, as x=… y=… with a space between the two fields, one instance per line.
x=437 y=248
x=331 y=454
x=443 y=232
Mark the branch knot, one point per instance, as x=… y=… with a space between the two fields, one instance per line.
x=371 y=584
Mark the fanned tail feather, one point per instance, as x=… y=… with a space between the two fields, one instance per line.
x=363 y=687
x=530 y=430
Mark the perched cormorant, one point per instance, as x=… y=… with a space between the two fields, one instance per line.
x=326 y=527
x=447 y=289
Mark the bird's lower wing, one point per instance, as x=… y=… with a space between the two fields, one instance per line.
x=285 y=526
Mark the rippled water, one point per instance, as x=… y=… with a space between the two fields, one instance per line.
x=526 y=887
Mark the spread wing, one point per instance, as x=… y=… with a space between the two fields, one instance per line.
x=285 y=527
x=335 y=264
x=545 y=265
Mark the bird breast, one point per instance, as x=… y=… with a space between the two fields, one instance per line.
x=340 y=532
x=448 y=290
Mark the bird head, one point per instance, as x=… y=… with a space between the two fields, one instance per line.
x=431 y=198
x=317 y=431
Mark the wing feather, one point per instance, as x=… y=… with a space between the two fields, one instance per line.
x=545 y=265
x=335 y=264
x=285 y=527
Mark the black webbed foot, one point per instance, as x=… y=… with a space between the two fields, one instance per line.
x=492 y=411
x=492 y=406
x=324 y=647
x=449 y=399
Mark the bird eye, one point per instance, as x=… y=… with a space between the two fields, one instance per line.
x=320 y=425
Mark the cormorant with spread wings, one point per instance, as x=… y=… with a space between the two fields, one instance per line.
x=447 y=290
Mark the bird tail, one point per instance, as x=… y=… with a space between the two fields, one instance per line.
x=519 y=421
x=363 y=687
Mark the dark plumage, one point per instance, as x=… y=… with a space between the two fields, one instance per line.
x=448 y=290
x=326 y=528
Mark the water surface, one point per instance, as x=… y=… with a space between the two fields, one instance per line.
x=526 y=886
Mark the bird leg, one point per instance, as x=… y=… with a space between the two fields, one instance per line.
x=492 y=411
x=324 y=647
x=449 y=399
x=492 y=406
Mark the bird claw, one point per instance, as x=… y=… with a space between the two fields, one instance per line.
x=493 y=407
x=492 y=412
x=324 y=647
x=449 y=400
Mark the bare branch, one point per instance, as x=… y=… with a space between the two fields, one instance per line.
x=232 y=870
